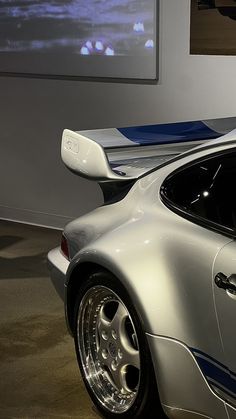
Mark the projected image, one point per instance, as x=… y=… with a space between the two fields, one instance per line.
x=85 y=27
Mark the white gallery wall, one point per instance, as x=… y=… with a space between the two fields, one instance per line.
x=34 y=185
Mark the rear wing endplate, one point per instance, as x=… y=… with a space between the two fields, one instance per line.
x=87 y=158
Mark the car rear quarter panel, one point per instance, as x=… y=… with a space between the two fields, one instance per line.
x=165 y=263
x=163 y=260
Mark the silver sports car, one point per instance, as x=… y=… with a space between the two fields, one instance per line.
x=149 y=278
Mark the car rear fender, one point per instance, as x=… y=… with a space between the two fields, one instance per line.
x=168 y=275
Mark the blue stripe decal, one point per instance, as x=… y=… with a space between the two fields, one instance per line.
x=197 y=351
x=220 y=375
x=169 y=133
x=213 y=372
x=221 y=389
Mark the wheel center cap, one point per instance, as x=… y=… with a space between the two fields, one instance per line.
x=112 y=349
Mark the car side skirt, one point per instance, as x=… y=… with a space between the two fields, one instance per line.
x=183 y=388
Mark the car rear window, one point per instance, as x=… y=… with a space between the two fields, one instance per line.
x=205 y=190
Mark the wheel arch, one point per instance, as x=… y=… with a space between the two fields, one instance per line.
x=140 y=282
x=156 y=275
x=81 y=270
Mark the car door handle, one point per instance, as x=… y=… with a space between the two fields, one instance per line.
x=226 y=283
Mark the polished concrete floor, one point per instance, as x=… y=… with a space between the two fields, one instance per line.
x=39 y=377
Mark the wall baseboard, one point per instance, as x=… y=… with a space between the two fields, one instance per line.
x=25 y=216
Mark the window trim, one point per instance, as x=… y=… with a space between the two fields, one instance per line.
x=190 y=216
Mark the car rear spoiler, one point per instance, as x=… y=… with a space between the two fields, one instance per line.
x=87 y=158
x=122 y=155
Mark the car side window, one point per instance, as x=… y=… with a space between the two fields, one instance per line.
x=206 y=190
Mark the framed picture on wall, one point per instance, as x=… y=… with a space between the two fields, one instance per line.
x=213 y=27
x=115 y=39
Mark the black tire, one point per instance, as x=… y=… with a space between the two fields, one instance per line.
x=140 y=383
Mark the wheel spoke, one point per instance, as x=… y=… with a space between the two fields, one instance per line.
x=102 y=320
x=103 y=327
x=118 y=377
x=118 y=321
x=131 y=357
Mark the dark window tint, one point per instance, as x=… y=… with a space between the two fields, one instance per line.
x=206 y=189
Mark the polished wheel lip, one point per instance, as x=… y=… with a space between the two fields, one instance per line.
x=112 y=353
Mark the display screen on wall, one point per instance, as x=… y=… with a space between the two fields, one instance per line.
x=213 y=27
x=79 y=38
